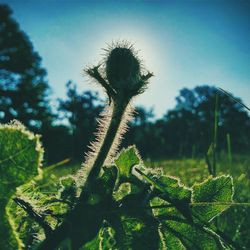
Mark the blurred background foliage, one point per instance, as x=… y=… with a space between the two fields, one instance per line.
x=184 y=131
x=177 y=142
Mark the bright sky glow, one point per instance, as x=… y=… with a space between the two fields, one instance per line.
x=185 y=43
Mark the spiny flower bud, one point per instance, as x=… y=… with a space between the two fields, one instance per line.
x=122 y=67
x=121 y=74
x=123 y=71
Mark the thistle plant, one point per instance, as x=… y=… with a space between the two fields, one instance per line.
x=115 y=201
x=121 y=76
x=21 y=156
x=122 y=79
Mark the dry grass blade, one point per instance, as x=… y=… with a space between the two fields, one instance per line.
x=230 y=96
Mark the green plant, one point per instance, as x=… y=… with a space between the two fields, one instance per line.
x=116 y=202
x=20 y=158
x=229 y=150
x=211 y=153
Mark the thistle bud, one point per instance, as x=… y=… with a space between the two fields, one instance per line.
x=123 y=71
x=121 y=75
x=122 y=66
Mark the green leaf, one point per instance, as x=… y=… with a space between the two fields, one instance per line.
x=135 y=231
x=127 y=159
x=103 y=186
x=179 y=226
x=123 y=190
x=179 y=235
x=20 y=158
x=173 y=189
x=169 y=241
x=104 y=240
x=68 y=189
x=169 y=187
x=177 y=232
x=213 y=190
x=107 y=239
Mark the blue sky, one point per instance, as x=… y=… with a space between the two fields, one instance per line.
x=185 y=43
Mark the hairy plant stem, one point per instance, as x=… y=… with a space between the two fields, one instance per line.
x=119 y=108
x=39 y=218
x=81 y=225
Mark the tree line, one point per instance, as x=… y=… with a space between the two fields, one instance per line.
x=186 y=130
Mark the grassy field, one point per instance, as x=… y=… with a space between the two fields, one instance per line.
x=234 y=222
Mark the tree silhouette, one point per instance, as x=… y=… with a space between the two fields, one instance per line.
x=191 y=123
x=143 y=132
x=23 y=87
x=81 y=111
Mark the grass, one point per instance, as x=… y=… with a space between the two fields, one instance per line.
x=234 y=222
x=188 y=170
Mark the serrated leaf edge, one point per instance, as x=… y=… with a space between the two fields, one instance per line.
x=117 y=183
x=17 y=125
x=214 y=178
